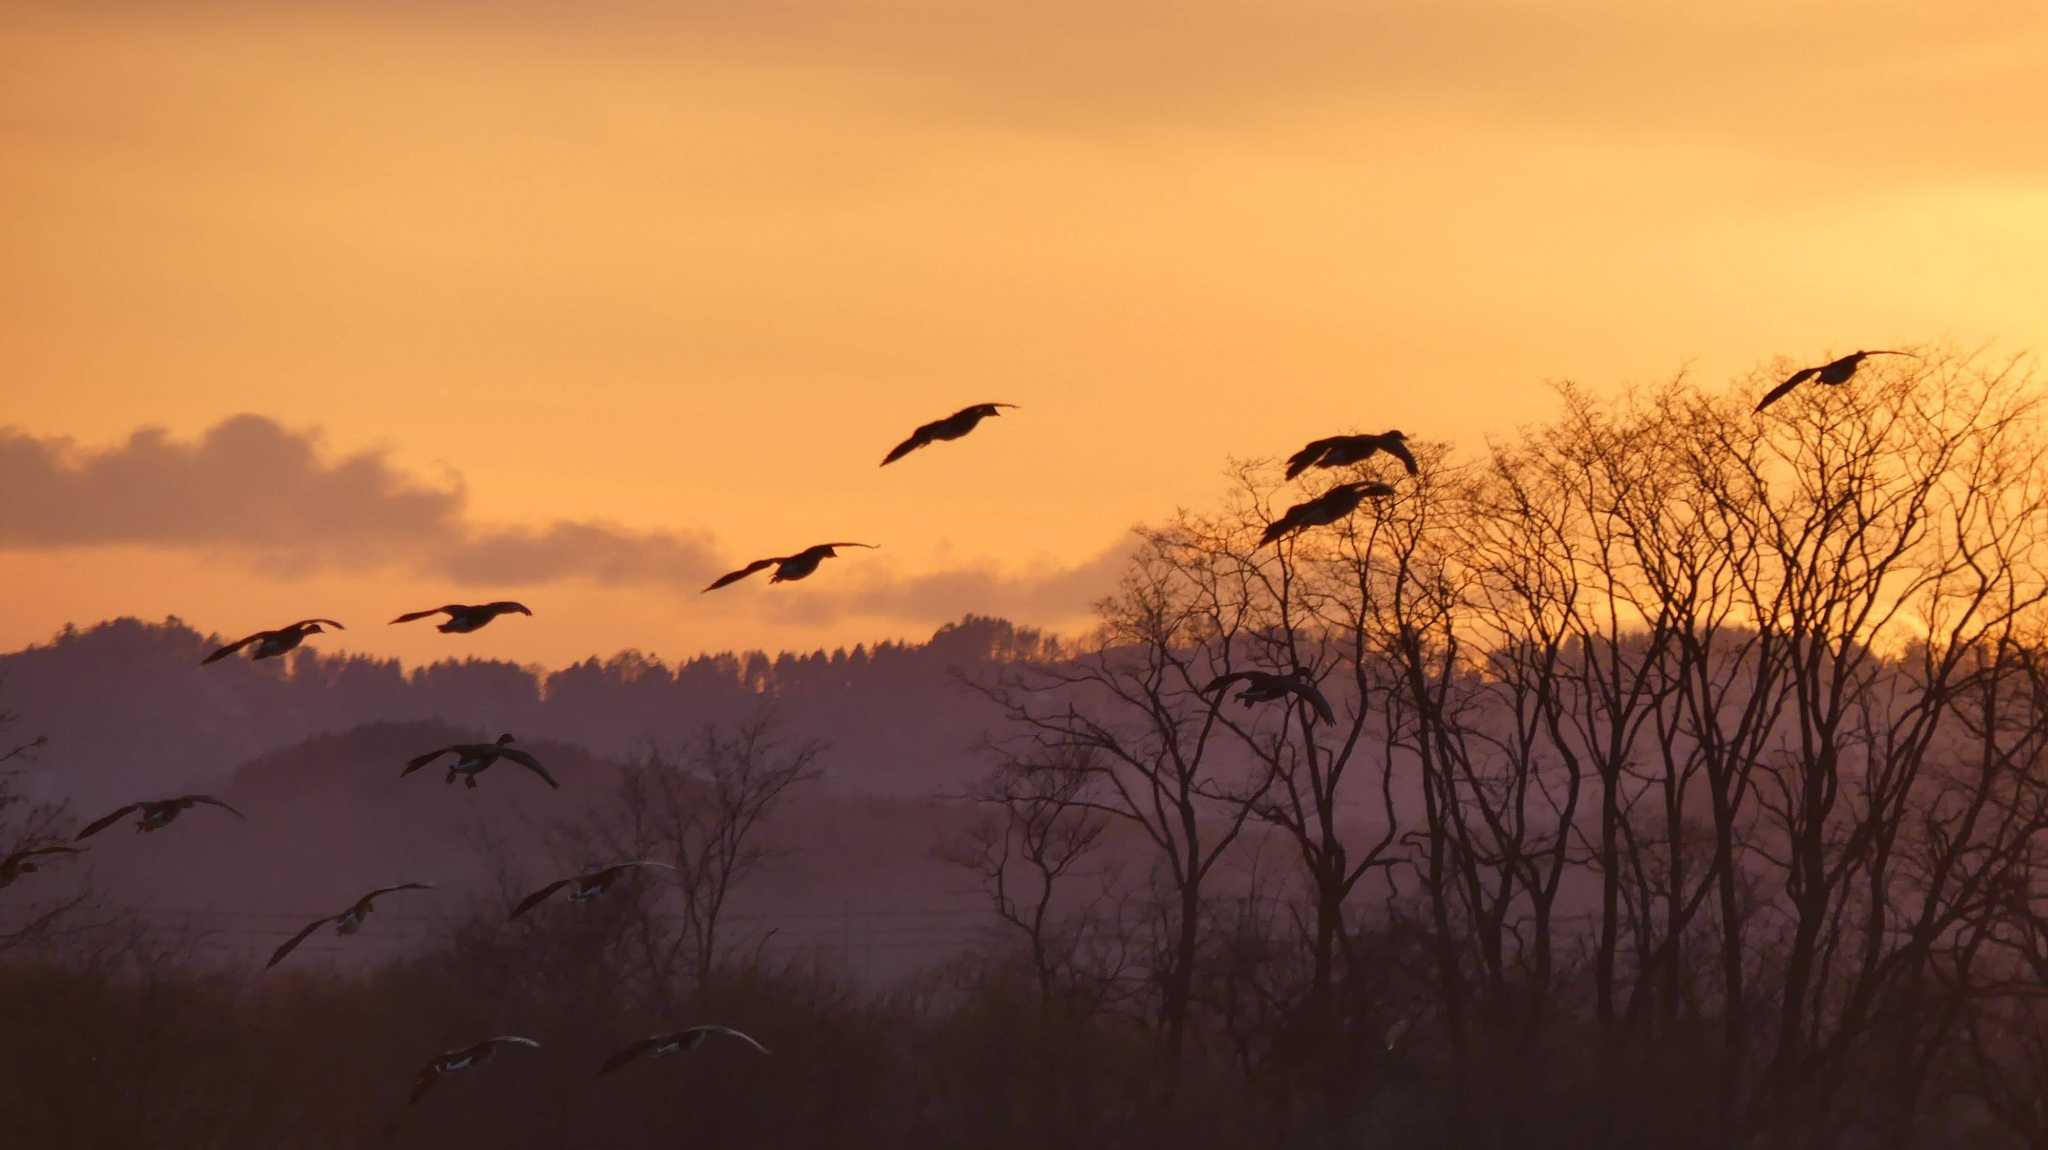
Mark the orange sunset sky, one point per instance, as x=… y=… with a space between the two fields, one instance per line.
x=311 y=307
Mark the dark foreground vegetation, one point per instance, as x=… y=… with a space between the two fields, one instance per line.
x=1687 y=786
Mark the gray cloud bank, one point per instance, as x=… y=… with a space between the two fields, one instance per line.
x=255 y=491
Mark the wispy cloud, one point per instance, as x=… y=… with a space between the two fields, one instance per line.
x=256 y=491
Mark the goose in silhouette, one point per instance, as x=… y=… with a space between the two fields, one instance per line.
x=585 y=886
x=1265 y=686
x=473 y=759
x=787 y=567
x=952 y=427
x=347 y=922
x=156 y=813
x=679 y=1042
x=467 y=1058
x=270 y=644
x=1342 y=450
x=464 y=617
x=23 y=862
x=1325 y=509
x=1832 y=373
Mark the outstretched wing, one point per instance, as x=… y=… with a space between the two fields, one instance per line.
x=729 y=1032
x=1315 y=699
x=292 y=943
x=531 y=764
x=742 y=573
x=1306 y=458
x=105 y=821
x=537 y=897
x=415 y=764
x=1399 y=450
x=628 y=1054
x=388 y=889
x=231 y=648
x=32 y=852
x=409 y=616
x=1222 y=681
x=617 y=867
x=424 y=1082
x=188 y=800
x=918 y=438
x=1791 y=381
x=308 y=622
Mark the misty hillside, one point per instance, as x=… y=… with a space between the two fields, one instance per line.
x=129 y=711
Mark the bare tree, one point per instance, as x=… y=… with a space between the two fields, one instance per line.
x=1130 y=714
x=1033 y=840
x=702 y=814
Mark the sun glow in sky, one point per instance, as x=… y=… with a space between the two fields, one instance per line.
x=583 y=303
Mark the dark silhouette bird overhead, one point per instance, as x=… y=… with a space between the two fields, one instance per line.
x=346 y=922
x=585 y=886
x=1325 y=509
x=787 y=567
x=952 y=427
x=156 y=813
x=1343 y=450
x=473 y=759
x=1265 y=686
x=23 y=862
x=467 y=1058
x=676 y=1042
x=464 y=617
x=270 y=644
x=1832 y=373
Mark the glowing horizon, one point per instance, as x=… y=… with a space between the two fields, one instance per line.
x=685 y=272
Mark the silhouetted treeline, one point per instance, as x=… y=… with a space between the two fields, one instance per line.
x=1685 y=784
x=175 y=728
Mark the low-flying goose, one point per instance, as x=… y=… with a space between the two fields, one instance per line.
x=584 y=887
x=465 y=617
x=787 y=567
x=679 y=1042
x=23 y=862
x=1342 y=450
x=952 y=427
x=1832 y=373
x=156 y=813
x=1324 y=509
x=270 y=644
x=347 y=922
x=473 y=759
x=1265 y=686
x=467 y=1058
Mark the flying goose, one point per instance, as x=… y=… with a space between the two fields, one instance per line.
x=1832 y=373
x=467 y=1058
x=1265 y=686
x=464 y=617
x=952 y=427
x=1341 y=450
x=156 y=813
x=22 y=862
x=587 y=886
x=473 y=759
x=679 y=1042
x=1324 y=509
x=270 y=644
x=787 y=567
x=347 y=922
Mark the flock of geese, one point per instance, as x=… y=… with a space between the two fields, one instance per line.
x=472 y=759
